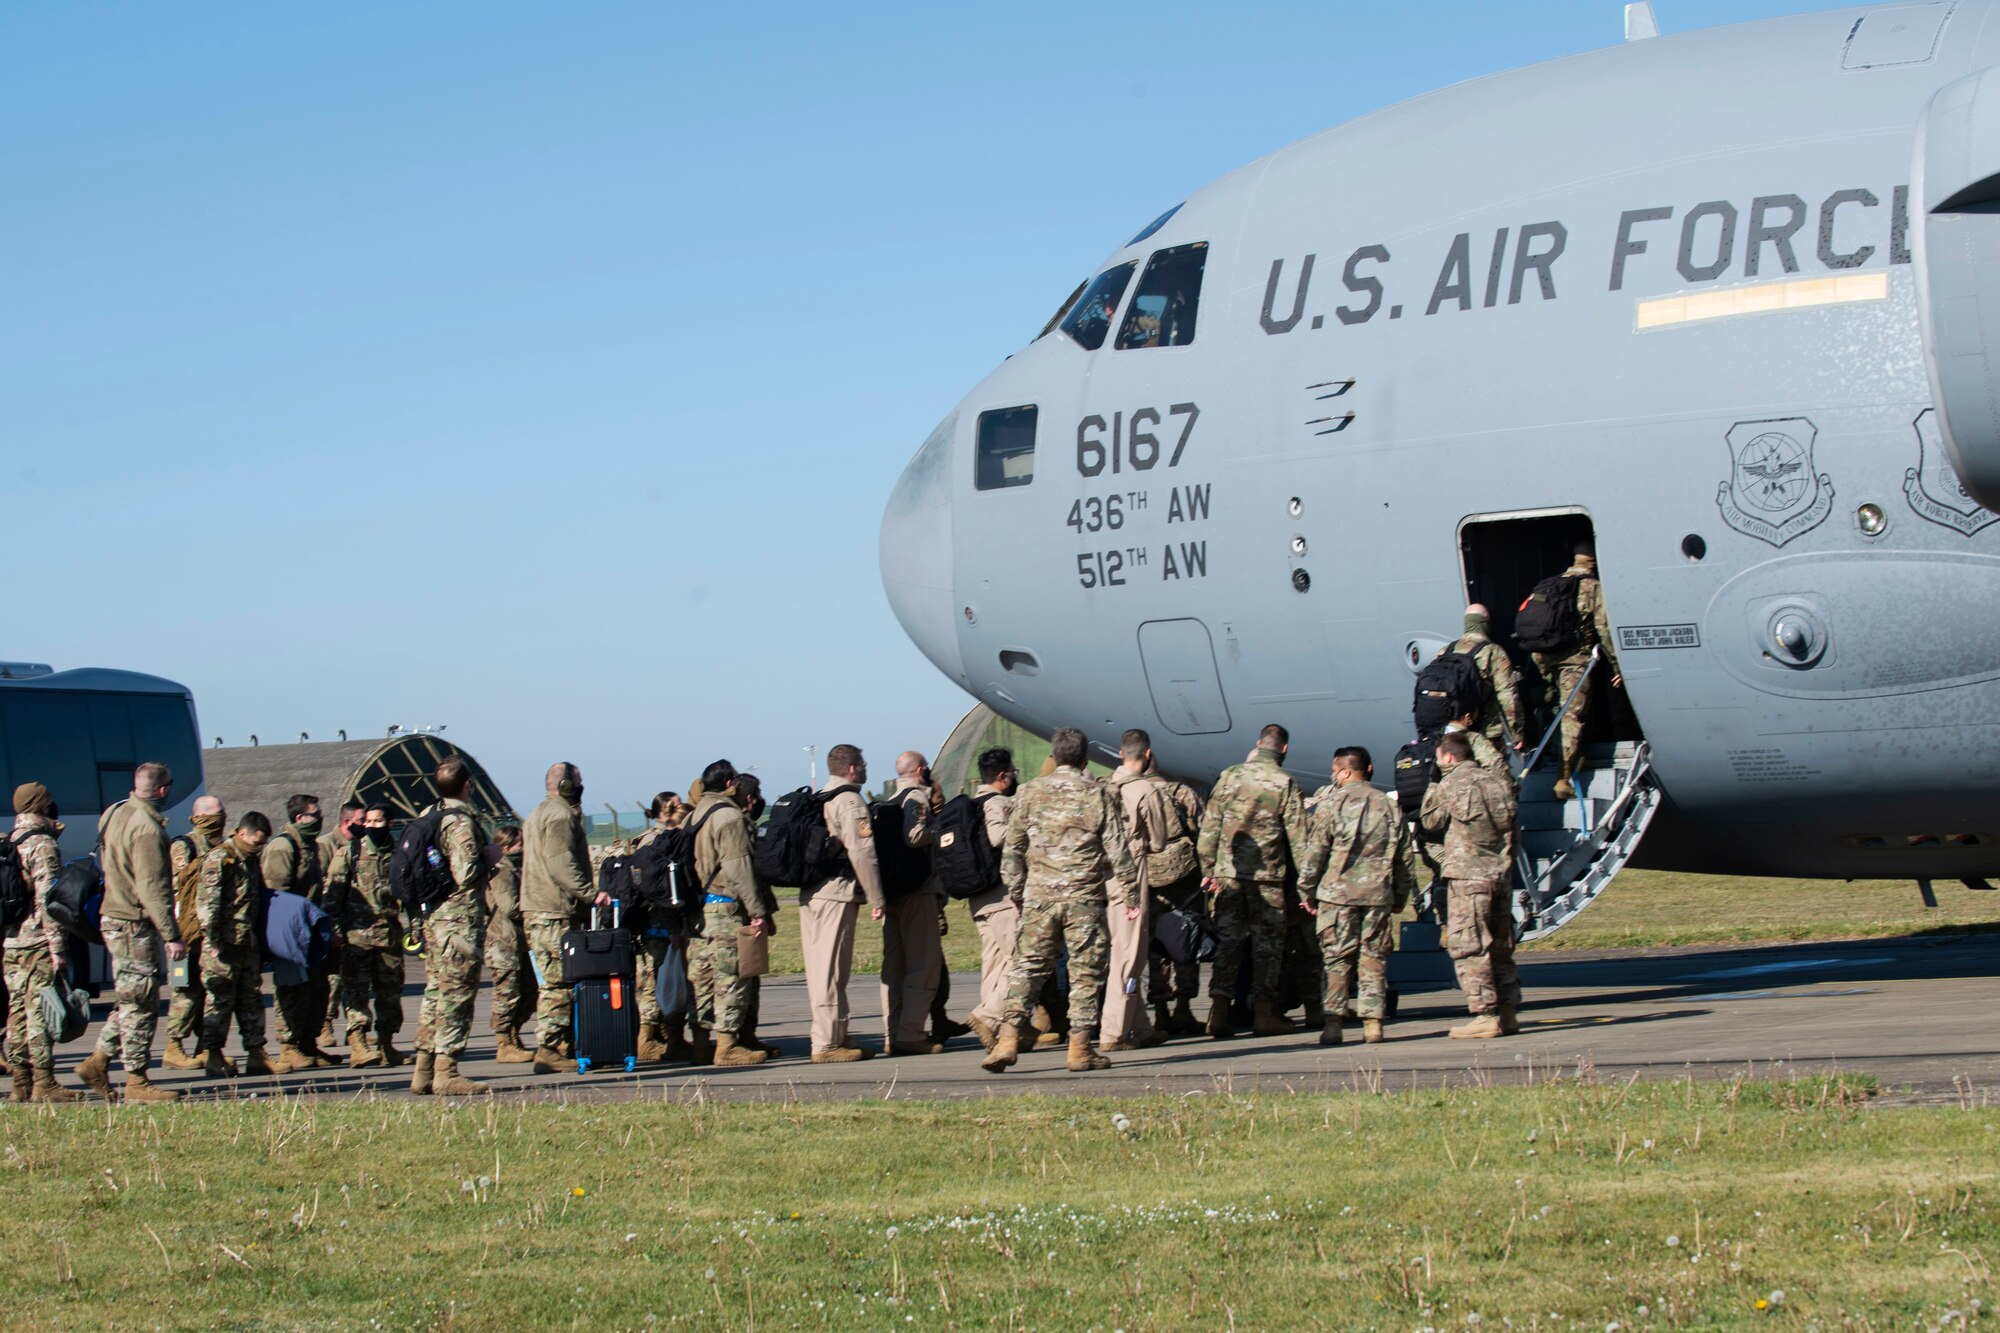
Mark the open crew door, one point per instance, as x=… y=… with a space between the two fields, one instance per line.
x=1569 y=850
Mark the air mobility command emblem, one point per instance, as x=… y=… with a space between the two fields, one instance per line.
x=1933 y=489
x=1772 y=493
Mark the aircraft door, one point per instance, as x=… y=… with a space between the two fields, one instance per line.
x=1179 y=658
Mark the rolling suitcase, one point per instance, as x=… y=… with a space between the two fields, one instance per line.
x=604 y=1000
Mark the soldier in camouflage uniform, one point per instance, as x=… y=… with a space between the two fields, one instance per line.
x=1250 y=838
x=293 y=863
x=1499 y=719
x=184 y=1010
x=1571 y=670
x=1474 y=811
x=136 y=918
x=650 y=943
x=454 y=936
x=34 y=948
x=225 y=906
x=514 y=989
x=1065 y=838
x=735 y=898
x=1484 y=752
x=1357 y=873
x=371 y=956
x=556 y=886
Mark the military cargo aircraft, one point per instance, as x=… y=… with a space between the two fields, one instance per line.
x=1726 y=302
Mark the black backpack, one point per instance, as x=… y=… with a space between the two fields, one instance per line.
x=1547 y=621
x=17 y=896
x=663 y=873
x=967 y=862
x=1448 y=687
x=76 y=899
x=905 y=869
x=419 y=871
x=792 y=848
x=1416 y=769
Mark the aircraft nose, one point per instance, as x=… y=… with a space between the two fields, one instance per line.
x=916 y=552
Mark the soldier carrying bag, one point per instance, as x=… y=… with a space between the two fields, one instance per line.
x=17 y=899
x=187 y=888
x=1448 y=688
x=792 y=849
x=419 y=872
x=1547 y=621
x=664 y=878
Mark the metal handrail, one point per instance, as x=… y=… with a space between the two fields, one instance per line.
x=1555 y=723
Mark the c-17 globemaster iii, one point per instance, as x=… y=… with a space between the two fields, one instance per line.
x=1726 y=302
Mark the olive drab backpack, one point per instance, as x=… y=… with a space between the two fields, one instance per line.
x=1547 y=621
x=187 y=888
x=1448 y=687
x=966 y=861
x=1177 y=860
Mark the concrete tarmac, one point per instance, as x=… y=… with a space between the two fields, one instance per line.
x=1918 y=1013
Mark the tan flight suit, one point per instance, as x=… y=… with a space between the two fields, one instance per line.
x=827 y=913
x=912 y=946
x=1148 y=829
x=995 y=915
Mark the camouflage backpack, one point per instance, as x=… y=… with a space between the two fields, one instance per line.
x=1177 y=860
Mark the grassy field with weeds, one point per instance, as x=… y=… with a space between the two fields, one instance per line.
x=1563 y=1206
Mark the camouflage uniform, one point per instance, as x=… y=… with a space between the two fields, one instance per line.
x=454 y=935
x=293 y=864
x=1360 y=871
x=1250 y=833
x=184 y=1010
x=137 y=917
x=1487 y=755
x=371 y=959
x=555 y=884
x=1474 y=811
x=736 y=897
x=226 y=903
x=649 y=949
x=35 y=948
x=514 y=990
x=1499 y=682
x=1065 y=838
x=1560 y=675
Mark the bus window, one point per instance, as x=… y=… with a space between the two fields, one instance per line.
x=1091 y=318
x=1163 y=313
x=83 y=745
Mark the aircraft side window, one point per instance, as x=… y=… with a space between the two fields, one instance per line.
x=1006 y=447
x=1069 y=304
x=1091 y=317
x=1163 y=312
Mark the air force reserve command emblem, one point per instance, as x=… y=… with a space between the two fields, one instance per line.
x=1772 y=493
x=1933 y=489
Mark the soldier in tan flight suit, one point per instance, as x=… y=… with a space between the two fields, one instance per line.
x=829 y=908
x=912 y=945
x=1149 y=829
x=996 y=914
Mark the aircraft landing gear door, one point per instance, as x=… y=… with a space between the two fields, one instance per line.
x=1179 y=658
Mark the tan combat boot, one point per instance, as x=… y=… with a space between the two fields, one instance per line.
x=1509 y=1024
x=214 y=1065
x=46 y=1089
x=423 y=1076
x=391 y=1055
x=1221 y=1023
x=549 y=1060
x=985 y=1031
x=1371 y=1031
x=450 y=1083
x=24 y=1083
x=1329 y=1032
x=1083 y=1056
x=652 y=1046
x=841 y=1055
x=139 y=1090
x=320 y=1058
x=1006 y=1049
x=95 y=1072
x=174 y=1056
x=327 y=1037
x=364 y=1052
x=732 y=1053
x=1269 y=1022
x=291 y=1058
x=1564 y=788
x=507 y=1047
x=257 y=1063
x=1183 y=1019
x=1483 y=1027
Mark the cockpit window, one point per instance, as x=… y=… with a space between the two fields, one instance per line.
x=1162 y=314
x=1155 y=225
x=1006 y=448
x=1091 y=318
x=1069 y=303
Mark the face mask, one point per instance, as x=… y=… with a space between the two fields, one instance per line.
x=381 y=837
x=310 y=824
x=208 y=825
x=243 y=848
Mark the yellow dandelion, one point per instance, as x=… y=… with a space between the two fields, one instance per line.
x=577 y=1193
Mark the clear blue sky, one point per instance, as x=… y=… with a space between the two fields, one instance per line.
x=542 y=369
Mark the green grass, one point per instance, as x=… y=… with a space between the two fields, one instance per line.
x=1562 y=1206
x=1656 y=909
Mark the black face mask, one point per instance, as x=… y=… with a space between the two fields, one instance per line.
x=381 y=837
